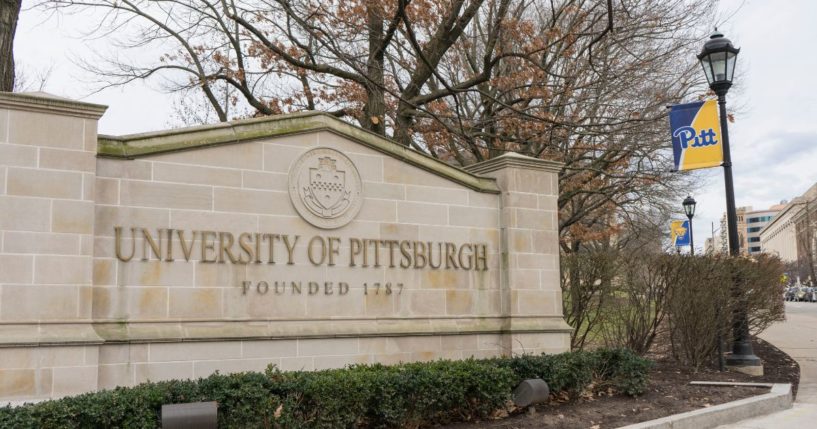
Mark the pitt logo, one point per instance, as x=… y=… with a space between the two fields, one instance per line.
x=687 y=135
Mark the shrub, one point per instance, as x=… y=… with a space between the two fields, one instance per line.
x=360 y=396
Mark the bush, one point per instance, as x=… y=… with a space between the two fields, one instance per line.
x=360 y=396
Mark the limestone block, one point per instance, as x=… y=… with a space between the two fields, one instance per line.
x=90 y=135
x=168 y=352
x=422 y=213
x=111 y=376
x=191 y=220
x=473 y=216
x=252 y=201
x=297 y=364
x=3 y=180
x=328 y=346
x=379 y=304
x=4 y=125
x=133 y=303
x=396 y=171
x=530 y=302
x=43 y=129
x=143 y=372
x=444 y=279
x=88 y=185
x=31 y=182
x=72 y=216
x=27 y=302
x=325 y=306
x=108 y=217
x=481 y=199
x=435 y=233
x=369 y=167
x=520 y=240
x=534 y=219
x=459 y=302
x=17 y=155
x=521 y=199
x=106 y=191
x=386 y=191
x=223 y=275
x=279 y=158
x=155 y=273
x=265 y=180
x=329 y=362
x=426 y=302
x=180 y=173
x=74 y=380
x=16 y=268
x=548 y=202
x=523 y=278
x=195 y=303
x=242 y=156
x=378 y=210
x=17 y=383
x=488 y=302
x=536 y=261
x=209 y=367
x=458 y=342
x=269 y=348
x=546 y=242
x=71 y=160
x=165 y=195
x=136 y=169
x=531 y=181
x=62 y=269
x=394 y=231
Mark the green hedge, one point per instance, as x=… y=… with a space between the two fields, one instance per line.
x=360 y=396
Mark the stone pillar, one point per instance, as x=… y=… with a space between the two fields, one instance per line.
x=531 y=294
x=47 y=175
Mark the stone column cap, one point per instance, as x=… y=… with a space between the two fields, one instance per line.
x=43 y=102
x=515 y=160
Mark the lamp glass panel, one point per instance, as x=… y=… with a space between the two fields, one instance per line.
x=718 y=60
x=731 y=59
x=707 y=68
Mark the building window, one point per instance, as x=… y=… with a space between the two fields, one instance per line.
x=754 y=249
x=754 y=219
x=754 y=229
x=754 y=239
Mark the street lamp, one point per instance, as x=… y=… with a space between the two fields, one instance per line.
x=689 y=208
x=718 y=59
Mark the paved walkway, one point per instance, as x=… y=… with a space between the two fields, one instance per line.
x=797 y=336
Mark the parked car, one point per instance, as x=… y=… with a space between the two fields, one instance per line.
x=790 y=293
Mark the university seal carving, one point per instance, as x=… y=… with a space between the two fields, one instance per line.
x=325 y=188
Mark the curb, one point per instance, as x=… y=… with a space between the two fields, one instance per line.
x=778 y=399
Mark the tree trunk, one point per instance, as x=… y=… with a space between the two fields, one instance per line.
x=9 y=13
x=375 y=109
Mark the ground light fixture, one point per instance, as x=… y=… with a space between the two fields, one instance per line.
x=718 y=59
x=689 y=209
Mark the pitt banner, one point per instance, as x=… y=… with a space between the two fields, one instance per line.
x=679 y=232
x=696 y=135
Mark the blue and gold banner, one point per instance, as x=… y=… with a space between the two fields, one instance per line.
x=696 y=135
x=679 y=232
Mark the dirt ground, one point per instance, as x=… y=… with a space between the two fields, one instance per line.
x=669 y=393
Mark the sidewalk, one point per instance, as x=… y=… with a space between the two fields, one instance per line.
x=797 y=337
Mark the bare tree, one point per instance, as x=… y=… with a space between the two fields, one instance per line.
x=9 y=14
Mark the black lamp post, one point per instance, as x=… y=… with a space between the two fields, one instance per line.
x=718 y=59
x=689 y=209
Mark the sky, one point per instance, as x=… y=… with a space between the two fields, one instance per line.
x=773 y=138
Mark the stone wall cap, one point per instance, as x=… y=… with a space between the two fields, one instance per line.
x=43 y=102
x=515 y=160
x=240 y=131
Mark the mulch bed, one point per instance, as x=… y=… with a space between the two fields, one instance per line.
x=669 y=393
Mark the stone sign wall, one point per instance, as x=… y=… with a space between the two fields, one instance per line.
x=298 y=240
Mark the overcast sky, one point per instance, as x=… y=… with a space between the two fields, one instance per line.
x=774 y=138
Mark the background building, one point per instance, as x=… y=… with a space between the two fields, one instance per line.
x=792 y=234
x=750 y=224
